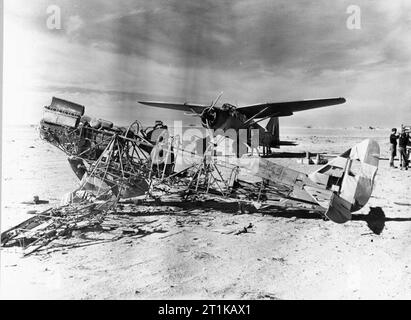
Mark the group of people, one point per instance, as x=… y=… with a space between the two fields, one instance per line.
x=403 y=141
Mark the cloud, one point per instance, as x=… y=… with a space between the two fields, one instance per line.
x=74 y=24
x=253 y=50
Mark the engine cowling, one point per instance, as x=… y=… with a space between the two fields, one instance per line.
x=209 y=117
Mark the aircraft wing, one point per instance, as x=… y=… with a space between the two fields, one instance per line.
x=187 y=107
x=281 y=109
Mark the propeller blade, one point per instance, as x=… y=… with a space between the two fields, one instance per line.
x=213 y=105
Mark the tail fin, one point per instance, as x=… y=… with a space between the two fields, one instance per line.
x=350 y=178
x=273 y=128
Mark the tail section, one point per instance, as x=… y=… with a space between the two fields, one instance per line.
x=273 y=128
x=350 y=178
x=271 y=136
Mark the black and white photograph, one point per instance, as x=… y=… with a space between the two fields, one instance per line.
x=205 y=150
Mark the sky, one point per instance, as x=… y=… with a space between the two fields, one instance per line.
x=107 y=55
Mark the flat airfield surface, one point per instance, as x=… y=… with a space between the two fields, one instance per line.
x=194 y=253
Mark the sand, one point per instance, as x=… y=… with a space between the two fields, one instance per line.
x=288 y=254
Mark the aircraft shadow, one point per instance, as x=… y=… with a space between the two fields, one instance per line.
x=280 y=155
x=284 y=212
x=225 y=207
x=376 y=219
x=188 y=207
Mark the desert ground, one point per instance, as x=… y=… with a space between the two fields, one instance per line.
x=194 y=253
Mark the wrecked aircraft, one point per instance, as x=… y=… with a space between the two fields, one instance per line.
x=117 y=163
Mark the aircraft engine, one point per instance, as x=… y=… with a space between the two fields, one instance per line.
x=209 y=117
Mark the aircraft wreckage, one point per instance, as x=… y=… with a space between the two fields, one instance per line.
x=117 y=163
x=129 y=162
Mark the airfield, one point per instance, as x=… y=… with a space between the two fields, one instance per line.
x=193 y=252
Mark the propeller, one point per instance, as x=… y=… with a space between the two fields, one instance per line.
x=213 y=104
x=209 y=115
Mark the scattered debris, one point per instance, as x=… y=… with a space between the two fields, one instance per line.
x=38 y=231
x=223 y=231
x=202 y=255
x=170 y=234
x=259 y=296
x=402 y=203
x=76 y=225
x=244 y=230
x=281 y=260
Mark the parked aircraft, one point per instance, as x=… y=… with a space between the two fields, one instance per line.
x=228 y=116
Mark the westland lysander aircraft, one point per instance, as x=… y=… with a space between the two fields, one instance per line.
x=229 y=116
x=120 y=162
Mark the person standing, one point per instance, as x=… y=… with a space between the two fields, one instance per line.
x=393 y=146
x=403 y=141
